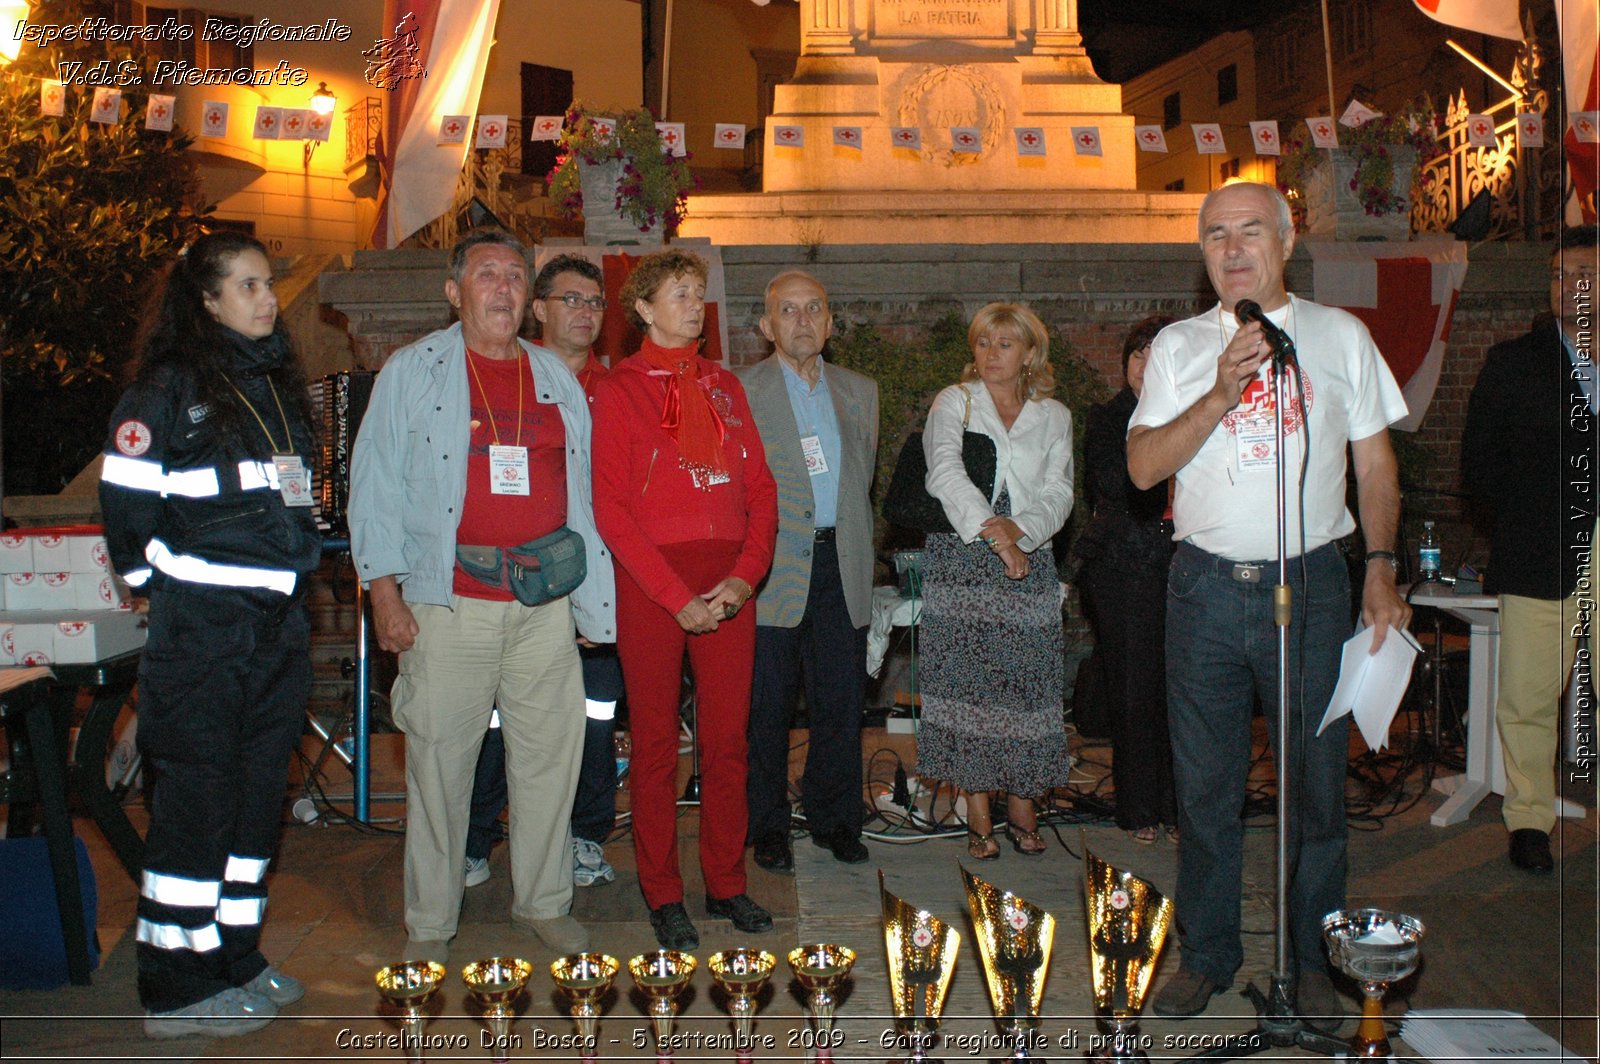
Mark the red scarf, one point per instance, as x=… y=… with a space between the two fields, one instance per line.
x=687 y=415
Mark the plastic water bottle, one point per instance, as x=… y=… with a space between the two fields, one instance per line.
x=1428 y=554
x=623 y=746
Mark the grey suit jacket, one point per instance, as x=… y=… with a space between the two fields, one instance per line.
x=781 y=600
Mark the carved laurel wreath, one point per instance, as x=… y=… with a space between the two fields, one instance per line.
x=934 y=76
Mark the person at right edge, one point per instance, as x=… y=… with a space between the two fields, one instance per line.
x=1528 y=459
x=1206 y=416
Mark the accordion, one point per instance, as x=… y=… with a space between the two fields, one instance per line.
x=342 y=400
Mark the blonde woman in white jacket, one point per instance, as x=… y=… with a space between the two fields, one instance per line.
x=991 y=620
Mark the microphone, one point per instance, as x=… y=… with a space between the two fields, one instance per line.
x=1283 y=351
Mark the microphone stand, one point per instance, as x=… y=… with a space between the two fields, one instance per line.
x=1277 y=1024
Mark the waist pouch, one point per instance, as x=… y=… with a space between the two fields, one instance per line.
x=537 y=572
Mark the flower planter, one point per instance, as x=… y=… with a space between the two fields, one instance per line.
x=1334 y=210
x=603 y=223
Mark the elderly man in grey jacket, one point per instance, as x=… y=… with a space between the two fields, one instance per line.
x=476 y=444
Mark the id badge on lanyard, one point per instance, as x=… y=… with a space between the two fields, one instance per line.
x=294 y=479
x=508 y=470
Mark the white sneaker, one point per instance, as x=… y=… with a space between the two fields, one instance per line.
x=278 y=987
x=477 y=871
x=589 y=867
x=232 y=1012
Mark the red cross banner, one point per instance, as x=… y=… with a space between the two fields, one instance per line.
x=546 y=127
x=1150 y=138
x=295 y=120
x=1324 y=133
x=1586 y=127
x=1530 y=129
x=1208 y=139
x=1358 y=114
x=1030 y=140
x=847 y=137
x=966 y=140
x=158 y=112
x=317 y=126
x=268 y=121
x=491 y=132
x=1086 y=140
x=672 y=140
x=213 y=119
x=1405 y=292
x=908 y=137
x=1580 y=47
x=789 y=136
x=1265 y=136
x=1480 y=131
x=729 y=135
x=107 y=109
x=453 y=129
x=52 y=98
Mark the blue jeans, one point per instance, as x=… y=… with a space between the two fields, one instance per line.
x=1221 y=657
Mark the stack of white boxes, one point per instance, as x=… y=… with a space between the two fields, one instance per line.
x=62 y=605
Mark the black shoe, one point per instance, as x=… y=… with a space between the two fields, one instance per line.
x=746 y=915
x=774 y=853
x=1186 y=994
x=845 y=844
x=673 y=928
x=1530 y=851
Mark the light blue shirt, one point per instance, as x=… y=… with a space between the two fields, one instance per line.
x=1582 y=370
x=814 y=416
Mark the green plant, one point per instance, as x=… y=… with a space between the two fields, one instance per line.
x=1371 y=145
x=654 y=182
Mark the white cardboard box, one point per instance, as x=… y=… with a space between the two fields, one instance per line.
x=88 y=554
x=8 y=643
x=99 y=591
x=16 y=553
x=51 y=553
x=73 y=638
x=41 y=591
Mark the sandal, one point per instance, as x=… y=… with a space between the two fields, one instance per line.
x=1036 y=844
x=978 y=846
x=1144 y=836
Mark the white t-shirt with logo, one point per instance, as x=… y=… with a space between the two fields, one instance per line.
x=1226 y=495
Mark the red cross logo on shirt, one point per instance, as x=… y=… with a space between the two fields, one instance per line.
x=492 y=130
x=133 y=438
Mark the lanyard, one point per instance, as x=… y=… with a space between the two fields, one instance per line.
x=488 y=407
x=288 y=437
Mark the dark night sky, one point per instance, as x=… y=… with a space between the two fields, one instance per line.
x=1125 y=39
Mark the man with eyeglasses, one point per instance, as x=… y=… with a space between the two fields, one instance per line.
x=568 y=304
x=1528 y=460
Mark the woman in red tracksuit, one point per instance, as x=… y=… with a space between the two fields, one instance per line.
x=685 y=501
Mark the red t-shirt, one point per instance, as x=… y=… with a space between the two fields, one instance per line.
x=489 y=520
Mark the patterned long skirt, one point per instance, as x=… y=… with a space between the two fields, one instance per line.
x=991 y=670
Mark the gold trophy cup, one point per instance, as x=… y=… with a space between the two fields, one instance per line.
x=496 y=983
x=1375 y=948
x=583 y=979
x=820 y=968
x=921 y=950
x=741 y=973
x=408 y=986
x=661 y=977
x=1014 y=940
x=1128 y=922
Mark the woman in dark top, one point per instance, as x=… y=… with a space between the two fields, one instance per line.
x=1123 y=579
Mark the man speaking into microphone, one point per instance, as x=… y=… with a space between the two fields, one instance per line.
x=1206 y=415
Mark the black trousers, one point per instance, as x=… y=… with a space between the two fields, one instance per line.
x=223 y=686
x=829 y=654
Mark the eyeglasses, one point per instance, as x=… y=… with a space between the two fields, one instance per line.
x=573 y=301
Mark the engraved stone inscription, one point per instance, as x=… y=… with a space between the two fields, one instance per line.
x=942 y=19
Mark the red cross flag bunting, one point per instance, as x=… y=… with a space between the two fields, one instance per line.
x=1579 y=24
x=1358 y=114
x=1030 y=140
x=491 y=132
x=1405 y=293
x=158 y=112
x=107 y=109
x=672 y=139
x=269 y=121
x=1086 y=140
x=52 y=98
x=847 y=137
x=317 y=126
x=1530 y=129
x=453 y=129
x=294 y=122
x=1265 y=135
x=728 y=135
x=1324 y=134
x=603 y=128
x=1150 y=138
x=908 y=137
x=789 y=136
x=1586 y=127
x=966 y=140
x=213 y=119
x=1208 y=139
x=1480 y=131
x=545 y=127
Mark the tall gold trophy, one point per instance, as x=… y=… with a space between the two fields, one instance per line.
x=496 y=983
x=921 y=951
x=741 y=973
x=583 y=979
x=820 y=967
x=408 y=986
x=1128 y=921
x=661 y=977
x=1014 y=940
